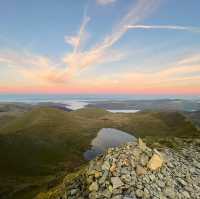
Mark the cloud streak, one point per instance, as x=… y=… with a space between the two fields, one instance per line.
x=136 y=13
x=102 y=52
x=166 y=27
x=105 y=2
x=78 y=40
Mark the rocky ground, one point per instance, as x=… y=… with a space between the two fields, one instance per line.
x=137 y=171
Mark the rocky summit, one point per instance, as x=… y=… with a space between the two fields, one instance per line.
x=135 y=171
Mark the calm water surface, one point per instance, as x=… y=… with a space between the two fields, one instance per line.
x=106 y=138
x=123 y=110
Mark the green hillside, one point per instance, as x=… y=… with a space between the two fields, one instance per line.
x=37 y=148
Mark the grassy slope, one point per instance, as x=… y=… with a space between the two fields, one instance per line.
x=10 y=111
x=194 y=117
x=47 y=141
x=5 y=119
x=42 y=136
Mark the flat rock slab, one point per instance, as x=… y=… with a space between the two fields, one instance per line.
x=116 y=182
x=155 y=162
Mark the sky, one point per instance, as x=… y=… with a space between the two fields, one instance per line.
x=100 y=46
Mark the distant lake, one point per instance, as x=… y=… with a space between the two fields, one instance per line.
x=74 y=104
x=107 y=138
x=123 y=111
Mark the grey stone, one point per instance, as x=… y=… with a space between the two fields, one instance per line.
x=116 y=182
x=179 y=177
x=169 y=192
x=144 y=160
x=160 y=183
x=117 y=197
x=186 y=194
x=94 y=186
x=139 y=193
x=74 y=191
x=106 y=166
x=103 y=178
x=182 y=181
x=106 y=193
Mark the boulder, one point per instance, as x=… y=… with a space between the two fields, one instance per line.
x=155 y=162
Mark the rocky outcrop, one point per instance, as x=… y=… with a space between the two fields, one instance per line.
x=135 y=171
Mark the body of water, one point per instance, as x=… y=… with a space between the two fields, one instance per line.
x=74 y=104
x=107 y=138
x=123 y=111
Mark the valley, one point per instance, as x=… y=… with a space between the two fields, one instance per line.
x=42 y=144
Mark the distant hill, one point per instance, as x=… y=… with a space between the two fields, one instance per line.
x=12 y=110
x=144 y=105
x=44 y=142
x=9 y=111
x=14 y=107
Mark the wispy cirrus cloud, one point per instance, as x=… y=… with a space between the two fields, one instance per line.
x=136 y=13
x=102 y=52
x=166 y=27
x=77 y=41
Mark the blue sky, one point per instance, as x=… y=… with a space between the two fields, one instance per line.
x=163 y=34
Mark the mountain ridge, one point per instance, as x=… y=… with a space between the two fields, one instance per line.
x=134 y=171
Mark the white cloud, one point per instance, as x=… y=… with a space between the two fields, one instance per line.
x=166 y=27
x=105 y=2
x=78 y=40
x=72 y=40
x=136 y=13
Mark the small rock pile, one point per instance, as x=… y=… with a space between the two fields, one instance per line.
x=135 y=171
